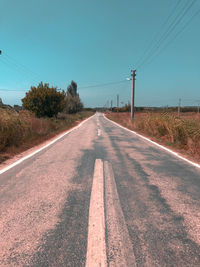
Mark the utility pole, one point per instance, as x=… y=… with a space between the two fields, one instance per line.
x=179 y=107
x=117 y=101
x=111 y=102
x=133 y=74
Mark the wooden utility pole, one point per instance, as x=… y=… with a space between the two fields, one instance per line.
x=133 y=74
x=117 y=101
x=108 y=104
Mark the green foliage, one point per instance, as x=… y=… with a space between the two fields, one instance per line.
x=73 y=103
x=44 y=101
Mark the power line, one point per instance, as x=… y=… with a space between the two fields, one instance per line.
x=81 y=87
x=102 y=84
x=169 y=30
x=174 y=37
x=18 y=69
x=149 y=46
x=18 y=64
x=183 y=28
x=12 y=90
x=159 y=42
x=176 y=21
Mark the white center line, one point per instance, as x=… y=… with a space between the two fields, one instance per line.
x=96 y=246
x=99 y=132
x=120 y=249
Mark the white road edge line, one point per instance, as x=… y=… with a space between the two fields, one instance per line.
x=45 y=146
x=160 y=146
x=96 y=246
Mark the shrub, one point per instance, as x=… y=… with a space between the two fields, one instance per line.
x=44 y=101
x=13 y=128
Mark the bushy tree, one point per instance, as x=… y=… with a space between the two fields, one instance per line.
x=73 y=102
x=44 y=100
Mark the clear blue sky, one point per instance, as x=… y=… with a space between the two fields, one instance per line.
x=95 y=42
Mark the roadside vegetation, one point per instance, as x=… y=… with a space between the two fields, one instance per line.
x=180 y=133
x=45 y=113
x=46 y=101
x=22 y=130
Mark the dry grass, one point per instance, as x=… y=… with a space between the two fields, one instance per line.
x=20 y=131
x=182 y=134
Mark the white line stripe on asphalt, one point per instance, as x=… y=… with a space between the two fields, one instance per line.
x=45 y=146
x=160 y=146
x=96 y=246
x=119 y=243
x=99 y=132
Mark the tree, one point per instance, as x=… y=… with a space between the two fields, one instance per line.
x=72 y=89
x=44 y=101
x=73 y=102
x=1 y=102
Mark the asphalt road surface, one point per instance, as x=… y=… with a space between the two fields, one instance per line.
x=100 y=196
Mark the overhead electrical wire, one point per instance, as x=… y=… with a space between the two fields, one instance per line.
x=16 y=67
x=14 y=64
x=19 y=64
x=175 y=22
x=150 y=53
x=18 y=70
x=12 y=90
x=170 y=30
x=151 y=43
x=81 y=87
x=174 y=37
x=102 y=84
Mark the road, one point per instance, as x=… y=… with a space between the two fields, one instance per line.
x=100 y=196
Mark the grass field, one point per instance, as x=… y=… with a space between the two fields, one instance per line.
x=20 y=131
x=181 y=134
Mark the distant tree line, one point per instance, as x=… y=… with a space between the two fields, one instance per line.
x=127 y=108
x=46 y=101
